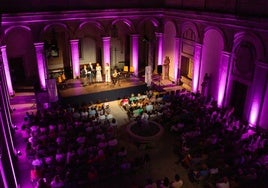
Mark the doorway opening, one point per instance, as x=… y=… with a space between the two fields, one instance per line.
x=184 y=66
x=238 y=98
x=17 y=72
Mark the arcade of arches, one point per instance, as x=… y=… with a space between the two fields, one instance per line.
x=228 y=53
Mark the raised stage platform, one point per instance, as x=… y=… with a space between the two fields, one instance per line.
x=73 y=91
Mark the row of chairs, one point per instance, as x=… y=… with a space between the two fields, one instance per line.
x=128 y=71
x=62 y=81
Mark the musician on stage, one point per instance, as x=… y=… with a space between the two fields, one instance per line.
x=84 y=76
x=98 y=73
x=107 y=73
x=115 y=76
x=90 y=72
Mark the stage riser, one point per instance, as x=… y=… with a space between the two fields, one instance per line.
x=102 y=96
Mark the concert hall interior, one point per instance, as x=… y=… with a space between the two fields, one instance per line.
x=133 y=94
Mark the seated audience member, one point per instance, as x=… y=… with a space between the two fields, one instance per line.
x=149 y=107
x=164 y=183
x=178 y=183
x=122 y=153
x=125 y=165
x=57 y=182
x=92 y=174
x=176 y=127
x=187 y=161
x=41 y=183
x=150 y=184
x=35 y=174
x=112 y=142
x=37 y=162
x=224 y=183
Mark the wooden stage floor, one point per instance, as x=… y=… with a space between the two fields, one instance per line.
x=73 y=92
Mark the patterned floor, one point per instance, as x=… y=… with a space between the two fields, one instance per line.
x=163 y=159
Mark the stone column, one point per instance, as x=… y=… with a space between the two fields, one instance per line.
x=7 y=71
x=75 y=58
x=106 y=50
x=41 y=64
x=196 y=64
x=159 y=51
x=177 y=57
x=223 y=74
x=258 y=110
x=106 y=53
x=134 y=53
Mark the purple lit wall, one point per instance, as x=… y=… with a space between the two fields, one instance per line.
x=2 y=173
x=225 y=57
x=106 y=51
x=5 y=142
x=134 y=53
x=258 y=90
x=7 y=72
x=197 y=57
x=75 y=58
x=176 y=59
x=254 y=111
x=41 y=64
x=263 y=121
x=159 y=46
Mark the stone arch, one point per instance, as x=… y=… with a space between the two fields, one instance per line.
x=129 y=25
x=15 y=27
x=211 y=59
x=169 y=49
x=58 y=26
x=20 y=50
x=190 y=31
x=154 y=24
x=221 y=32
x=12 y=29
x=120 y=31
x=56 y=38
x=246 y=52
x=251 y=38
x=93 y=25
x=174 y=23
x=148 y=28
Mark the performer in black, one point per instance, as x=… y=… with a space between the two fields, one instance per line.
x=84 y=76
x=115 y=76
x=90 y=73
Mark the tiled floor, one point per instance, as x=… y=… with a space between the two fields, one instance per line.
x=163 y=160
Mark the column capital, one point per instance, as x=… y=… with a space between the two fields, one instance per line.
x=3 y=48
x=106 y=38
x=39 y=44
x=262 y=64
x=177 y=38
x=198 y=45
x=74 y=41
x=135 y=35
x=158 y=34
x=226 y=53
